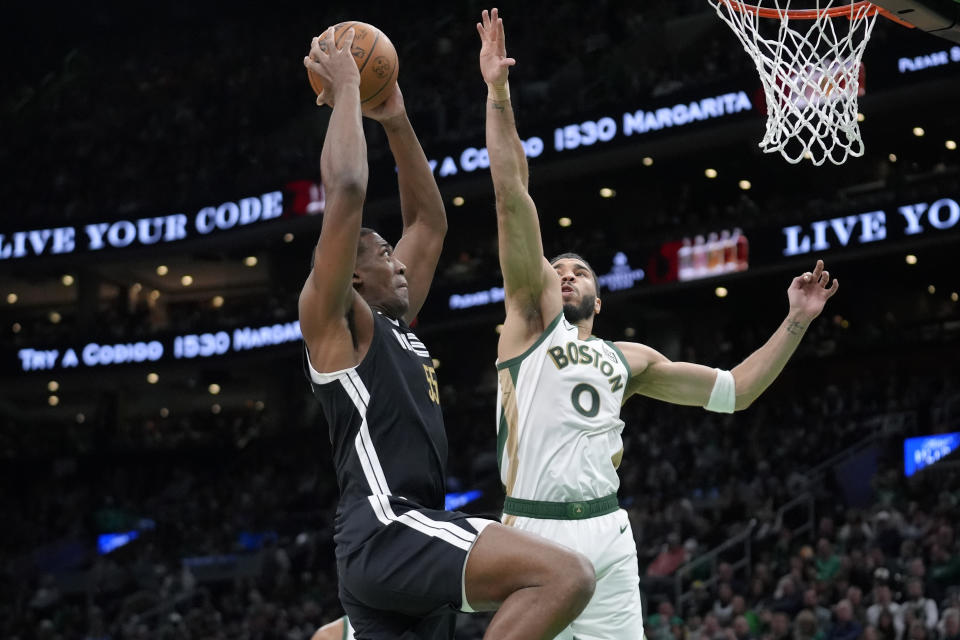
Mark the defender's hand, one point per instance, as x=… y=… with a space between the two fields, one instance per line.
x=809 y=292
x=335 y=67
x=494 y=63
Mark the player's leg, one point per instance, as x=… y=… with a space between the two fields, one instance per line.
x=616 y=609
x=539 y=586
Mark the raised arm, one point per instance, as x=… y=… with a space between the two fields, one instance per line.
x=328 y=292
x=424 y=217
x=532 y=289
x=685 y=383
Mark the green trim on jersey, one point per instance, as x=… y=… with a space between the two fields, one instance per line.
x=561 y=510
x=346 y=628
x=543 y=336
x=622 y=357
x=504 y=429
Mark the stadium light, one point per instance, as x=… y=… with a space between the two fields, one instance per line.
x=458 y=201
x=186 y=280
x=214 y=389
x=53 y=386
x=12 y=298
x=53 y=401
x=918 y=131
x=55 y=317
x=67 y=280
x=162 y=270
x=951 y=145
x=152 y=378
x=164 y=412
x=607 y=192
x=216 y=302
x=250 y=261
x=911 y=259
x=745 y=185
x=215 y=409
x=16 y=327
x=721 y=292
x=288 y=238
x=710 y=173
x=565 y=222
x=892 y=157
x=931 y=289
x=648 y=161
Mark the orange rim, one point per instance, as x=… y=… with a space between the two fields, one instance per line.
x=813 y=14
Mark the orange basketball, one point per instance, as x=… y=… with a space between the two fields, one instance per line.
x=375 y=57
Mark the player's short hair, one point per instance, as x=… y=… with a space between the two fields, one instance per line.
x=576 y=256
x=364 y=231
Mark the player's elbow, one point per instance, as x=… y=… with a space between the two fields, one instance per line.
x=510 y=198
x=347 y=185
x=743 y=401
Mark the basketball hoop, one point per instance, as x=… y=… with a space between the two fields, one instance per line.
x=810 y=71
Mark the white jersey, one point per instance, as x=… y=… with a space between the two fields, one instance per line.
x=559 y=426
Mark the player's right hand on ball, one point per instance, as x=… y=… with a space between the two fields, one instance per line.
x=335 y=67
x=494 y=63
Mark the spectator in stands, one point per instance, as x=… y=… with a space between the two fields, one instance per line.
x=887 y=627
x=740 y=630
x=739 y=606
x=723 y=605
x=660 y=625
x=844 y=627
x=918 y=608
x=805 y=627
x=669 y=559
x=950 y=629
x=779 y=628
x=710 y=629
x=827 y=562
x=944 y=569
x=786 y=598
x=883 y=603
x=855 y=596
x=821 y=614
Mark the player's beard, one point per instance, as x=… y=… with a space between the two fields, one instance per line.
x=574 y=313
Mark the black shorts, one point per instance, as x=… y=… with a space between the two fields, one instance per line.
x=406 y=581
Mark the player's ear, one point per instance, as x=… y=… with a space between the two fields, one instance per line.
x=357 y=281
x=596 y=306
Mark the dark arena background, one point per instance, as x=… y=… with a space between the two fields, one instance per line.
x=165 y=470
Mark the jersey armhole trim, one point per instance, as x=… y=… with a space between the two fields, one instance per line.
x=622 y=357
x=543 y=336
x=324 y=378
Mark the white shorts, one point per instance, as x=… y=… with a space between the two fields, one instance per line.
x=615 y=611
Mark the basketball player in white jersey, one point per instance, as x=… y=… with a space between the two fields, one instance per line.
x=560 y=388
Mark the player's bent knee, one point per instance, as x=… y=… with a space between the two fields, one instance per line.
x=582 y=579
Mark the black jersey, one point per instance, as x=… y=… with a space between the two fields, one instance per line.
x=386 y=429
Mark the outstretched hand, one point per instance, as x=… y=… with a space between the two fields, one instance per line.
x=808 y=293
x=335 y=67
x=494 y=63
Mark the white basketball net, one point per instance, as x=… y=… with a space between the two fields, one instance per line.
x=810 y=73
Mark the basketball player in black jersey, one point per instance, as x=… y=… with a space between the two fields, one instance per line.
x=405 y=565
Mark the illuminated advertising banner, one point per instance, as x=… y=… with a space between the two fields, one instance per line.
x=923 y=451
x=621 y=276
x=605 y=129
x=180 y=347
x=930 y=60
x=119 y=234
x=871 y=227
